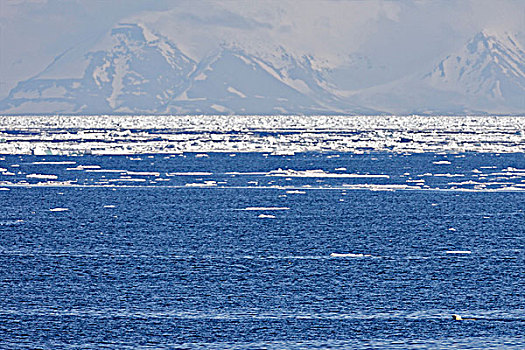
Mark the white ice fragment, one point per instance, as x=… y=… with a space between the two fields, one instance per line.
x=84 y=167
x=295 y=192
x=452 y=229
x=458 y=252
x=205 y=184
x=201 y=155
x=59 y=209
x=144 y=173
x=441 y=162
x=109 y=206
x=349 y=255
x=318 y=173
x=4 y=189
x=42 y=176
x=266 y=216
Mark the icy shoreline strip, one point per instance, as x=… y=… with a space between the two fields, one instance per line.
x=287 y=135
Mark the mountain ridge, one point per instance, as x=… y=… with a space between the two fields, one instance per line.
x=141 y=72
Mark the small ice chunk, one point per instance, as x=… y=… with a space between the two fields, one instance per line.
x=441 y=162
x=109 y=206
x=59 y=209
x=4 y=189
x=452 y=229
x=42 y=176
x=349 y=255
x=205 y=184
x=143 y=173
x=266 y=216
x=458 y=252
x=84 y=167
x=295 y=192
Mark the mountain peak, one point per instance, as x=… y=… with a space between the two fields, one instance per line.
x=488 y=67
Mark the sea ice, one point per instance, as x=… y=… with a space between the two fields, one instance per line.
x=41 y=176
x=59 y=209
x=350 y=255
x=266 y=216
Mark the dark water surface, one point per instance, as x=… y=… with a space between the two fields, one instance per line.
x=161 y=265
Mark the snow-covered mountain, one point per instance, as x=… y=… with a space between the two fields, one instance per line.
x=137 y=71
x=486 y=76
x=488 y=71
x=142 y=72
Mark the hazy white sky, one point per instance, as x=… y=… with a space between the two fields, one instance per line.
x=400 y=34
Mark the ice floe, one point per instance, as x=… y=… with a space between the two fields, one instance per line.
x=204 y=184
x=58 y=209
x=266 y=216
x=85 y=167
x=318 y=173
x=42 y=176
x=350 y=255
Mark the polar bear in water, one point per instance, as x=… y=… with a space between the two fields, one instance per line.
x=459 y=318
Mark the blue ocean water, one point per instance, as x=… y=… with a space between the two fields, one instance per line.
x=214 y=252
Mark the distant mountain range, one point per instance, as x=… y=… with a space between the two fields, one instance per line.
x=145 y=73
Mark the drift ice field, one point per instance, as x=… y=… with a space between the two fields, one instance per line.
x=270 y=232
